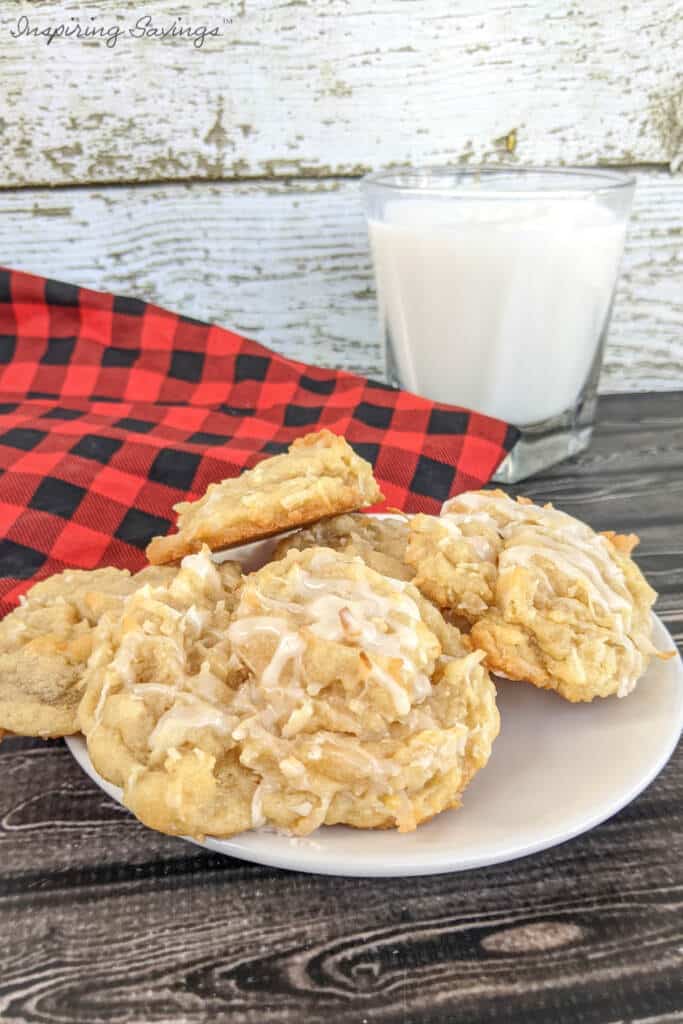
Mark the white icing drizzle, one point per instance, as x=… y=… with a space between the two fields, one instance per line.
x=258 y=818
x=534 y=536
x=347 y=611
x=355 y=734
x=571 y=562
x=400 y=698
x=240 y=630
x=118 y=671
x=289 y=648
x=184 y=700
x=186 y=713
x=453 y=522
x=350 y=611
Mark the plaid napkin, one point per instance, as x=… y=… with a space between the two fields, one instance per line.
x=112 y=410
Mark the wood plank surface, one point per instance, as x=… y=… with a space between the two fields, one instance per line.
x=289 y=265
x=105 y=922
x=328 y=87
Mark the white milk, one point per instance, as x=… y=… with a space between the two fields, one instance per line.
x=497 y=305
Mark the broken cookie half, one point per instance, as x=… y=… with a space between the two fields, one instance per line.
x=320 y=475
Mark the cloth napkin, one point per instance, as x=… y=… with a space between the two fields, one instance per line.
x=113 y=409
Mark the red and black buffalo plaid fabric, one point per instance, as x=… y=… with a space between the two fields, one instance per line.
x=112 y=410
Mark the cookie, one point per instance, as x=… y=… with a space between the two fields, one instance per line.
x=381 y=543
x=361 y=706
x=549 y=600
x=45 y=644
x=320 y=475
x=156 y=709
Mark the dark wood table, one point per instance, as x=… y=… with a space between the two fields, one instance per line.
x=102 y=920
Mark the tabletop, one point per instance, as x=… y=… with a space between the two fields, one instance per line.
x=106 y=921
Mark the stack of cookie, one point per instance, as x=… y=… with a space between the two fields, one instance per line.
x=346 y=680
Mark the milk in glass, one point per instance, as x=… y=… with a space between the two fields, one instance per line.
x=498 y=305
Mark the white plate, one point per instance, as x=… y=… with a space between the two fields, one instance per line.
x=556 y=770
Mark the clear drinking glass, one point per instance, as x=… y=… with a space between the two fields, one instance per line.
x=495 y=289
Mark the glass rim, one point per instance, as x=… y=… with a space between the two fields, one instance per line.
x=555 y=182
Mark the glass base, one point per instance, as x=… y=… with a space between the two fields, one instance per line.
x=535 y=451
x=540 y=445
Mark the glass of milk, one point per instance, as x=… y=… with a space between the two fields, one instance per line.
x=495 y=288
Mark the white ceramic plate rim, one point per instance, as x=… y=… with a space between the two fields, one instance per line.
x=372 y=854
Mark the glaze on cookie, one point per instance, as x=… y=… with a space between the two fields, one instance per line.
x=46 y=642
x=549 y=600
x=355 y=710
x=156 y=710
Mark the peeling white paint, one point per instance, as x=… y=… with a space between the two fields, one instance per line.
x=334 y=88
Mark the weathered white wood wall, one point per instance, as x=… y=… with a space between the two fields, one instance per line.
x=220 y=179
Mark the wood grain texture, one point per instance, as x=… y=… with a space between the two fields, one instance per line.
x=322 y=87
x=289 y=265
x=104 y=922
x=325 y=89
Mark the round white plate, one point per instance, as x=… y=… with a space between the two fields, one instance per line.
x=556 y=770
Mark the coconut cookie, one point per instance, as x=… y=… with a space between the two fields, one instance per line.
x=45 y=644
x=355 y=710
x=320 y=475
x=157 y=707
x=548 y=599
x=381 y=543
